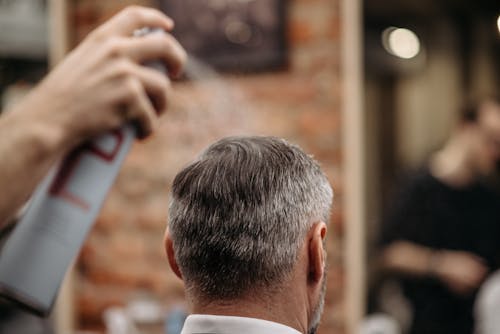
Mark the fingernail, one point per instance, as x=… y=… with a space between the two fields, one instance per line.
x=171 y=23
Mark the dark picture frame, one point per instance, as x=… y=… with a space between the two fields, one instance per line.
x=231 y=35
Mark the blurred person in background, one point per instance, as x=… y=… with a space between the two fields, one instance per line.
x=246 y=234
x=442 y=234
x=98 y=87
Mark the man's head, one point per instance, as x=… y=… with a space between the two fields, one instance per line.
x=481 y=122
x=243 y=215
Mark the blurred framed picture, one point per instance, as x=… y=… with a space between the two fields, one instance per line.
x=234 y=35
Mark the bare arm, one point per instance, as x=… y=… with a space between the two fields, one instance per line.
x=460 y=271
x=407 y=257
x=98 y=87
x=28 y=148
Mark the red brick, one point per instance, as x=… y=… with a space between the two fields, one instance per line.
x=299 y=33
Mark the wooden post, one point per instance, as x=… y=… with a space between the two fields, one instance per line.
x=58 y=30
x=64 y=310
x=354 y=162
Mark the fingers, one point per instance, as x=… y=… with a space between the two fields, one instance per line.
x=145 y=93
x=132 y=18
x=140 y=109
x=464 y=272
x=479 y=260
x=141 y=93
x=157 y=46
x=478 y=274
x=473 y=279
x=475 y=269
x=157 y=87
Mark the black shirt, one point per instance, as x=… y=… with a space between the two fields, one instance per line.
x=433 y=214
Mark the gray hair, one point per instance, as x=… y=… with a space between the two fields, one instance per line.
x=239 y=214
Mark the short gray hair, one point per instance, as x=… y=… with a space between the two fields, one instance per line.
x=239 y=214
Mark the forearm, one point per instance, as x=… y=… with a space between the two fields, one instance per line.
x=29 y=146
x=409 y=258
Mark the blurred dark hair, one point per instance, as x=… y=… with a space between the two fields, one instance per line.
x=470 y=112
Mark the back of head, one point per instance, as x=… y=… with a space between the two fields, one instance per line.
x=240 y=212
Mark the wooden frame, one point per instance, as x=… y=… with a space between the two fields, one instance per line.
x=64 y=310
x=354 y=163
x=241 y=36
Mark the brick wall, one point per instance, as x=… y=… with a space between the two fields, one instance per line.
x=124 y=255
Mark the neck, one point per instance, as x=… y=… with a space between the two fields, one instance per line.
x=452 y=164
x=286 y=307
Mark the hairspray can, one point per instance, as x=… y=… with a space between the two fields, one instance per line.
x=62 y=211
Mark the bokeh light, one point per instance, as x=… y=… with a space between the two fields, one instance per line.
x=401 y=42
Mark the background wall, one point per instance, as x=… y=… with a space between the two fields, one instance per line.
x=123 y=258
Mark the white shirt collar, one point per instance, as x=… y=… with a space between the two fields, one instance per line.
x=216 y=324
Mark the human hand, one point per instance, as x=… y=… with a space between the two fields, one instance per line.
x=462 y=272
x=101 y=84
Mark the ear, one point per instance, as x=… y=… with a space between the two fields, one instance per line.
x=169 y=248
x=317 y=253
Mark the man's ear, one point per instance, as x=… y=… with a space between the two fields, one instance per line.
x=169 y=248
x=317 y=252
